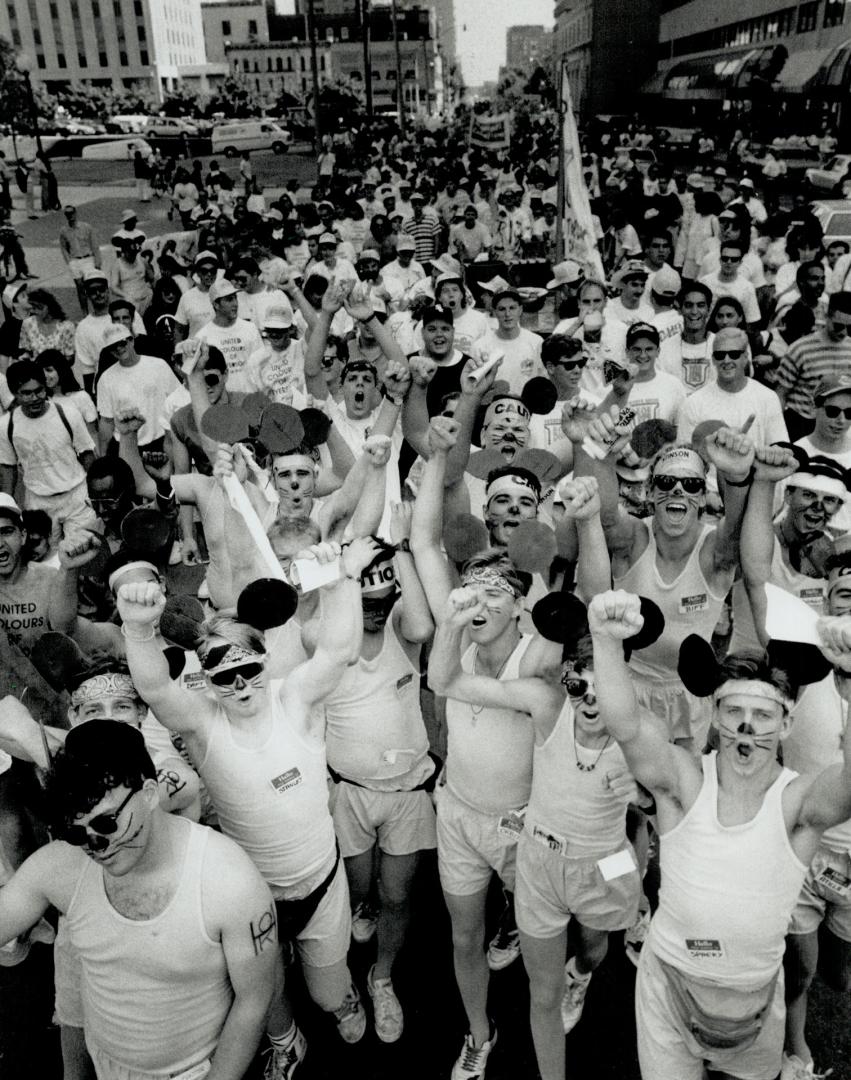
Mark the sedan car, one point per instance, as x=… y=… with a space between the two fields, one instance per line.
x=834 y=216
x=830 y=177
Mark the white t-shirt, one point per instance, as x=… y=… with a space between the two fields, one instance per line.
x=47 y=457
x=615 y=310
x=740 y=288
x=194 y=310
x=254 y=306
x=713 y=403
x=693 y=366
x=545 y=430
x=670 y=326
x=243 y=350
x=659 y=398
x=611 y=346
x=88 y=340
x=144 y=386
x=522 y=357
x=283 y=373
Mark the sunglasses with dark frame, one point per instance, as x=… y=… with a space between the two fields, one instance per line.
x=833 y=411
x=691 y=485
x=212 y=378
x=569 y=365
x=733 y=354
x=102 y=824
x=575 y=687
x=228 y=676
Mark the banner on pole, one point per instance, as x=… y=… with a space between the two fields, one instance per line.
x=580 y=239
x=491 y=132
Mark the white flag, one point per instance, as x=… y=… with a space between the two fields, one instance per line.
x=580 y=240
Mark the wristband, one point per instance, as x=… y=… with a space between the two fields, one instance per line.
x=398 y=402
x=740 y=483
x=164 y=489
x=133 y=637
x=404 y=545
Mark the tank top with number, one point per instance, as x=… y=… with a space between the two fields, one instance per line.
x=688 y=604
x=273 y=800
x=374 y=731
x=156 y=992
x=489 y=751
x=727 y=891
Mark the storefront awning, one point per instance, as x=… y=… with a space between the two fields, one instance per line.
x=714 y=76
x=800 y=68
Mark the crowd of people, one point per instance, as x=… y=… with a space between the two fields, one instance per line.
x=417 y=520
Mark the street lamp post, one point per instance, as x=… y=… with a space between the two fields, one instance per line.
x=23 y=62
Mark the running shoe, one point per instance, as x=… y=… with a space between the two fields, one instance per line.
x=285 y=1060
x=364 y=922
x=351 y=1018
x=504 y=948
x=389 y=1020
x=635 y=937
x=471 y=1064
x=573 y=1000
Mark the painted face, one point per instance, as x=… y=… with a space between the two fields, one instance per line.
x=128 y=814
x=810 y=510
x=750 y=729
x=582 y=691
x=507 y=432
x=499 y=613
x=12 y=538
x=676 y=510
x=295 y=480
x=504 y=512
x=243 y=690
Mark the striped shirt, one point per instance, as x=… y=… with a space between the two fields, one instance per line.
x=426 y=234
x=809 y=360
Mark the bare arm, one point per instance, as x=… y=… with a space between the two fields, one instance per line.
x=732 y=453
x=26 y=896
x=582 y=508
x=427 y=518
x=415 y=621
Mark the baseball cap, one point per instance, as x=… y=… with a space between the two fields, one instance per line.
x=631 y=268
x=205 y=257
x=8 y=507
x=11 y=292
x=746 y=182
x=369 y=254
x=416 y=196
x=437 y=313
x=641 y=330
x=277 y=318
x=115 y=334
x=406 y=243
x=443 y=278
x=385 y=192
x=328 y=238
x=70 y=206
x=220 y=289
x=273 y=215
x=666 y=282
x=325 y=202
x=95 y=275
x=565 y=273
x=447 y=265
x=694 y=180
x=720 y=171
x=128 y=215
x=827 y=387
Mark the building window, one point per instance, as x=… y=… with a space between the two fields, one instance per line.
x=226 y=28
x=16 y=36
x=279 y=63
x=122 y=59
x=40 y=60
x=268 y=63
x=303 y=66
x=81 y=60
x=60 y=60
x=321 y=63
x=138 y=9
x=36 y=35
x=834 y=13
x=256 y=65
x=252 y=28
x=96 y=9
x=116 y=6
x=289 y=63
x=246 y=66
x=103 y=59
x=143 y=57
x=807 y=17
x=54 y=11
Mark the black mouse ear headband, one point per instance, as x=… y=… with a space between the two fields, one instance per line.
x=561 y=617
x=278 y=429
x=266 y=603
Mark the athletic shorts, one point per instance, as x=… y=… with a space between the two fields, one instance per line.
x=826 y=896
x=108 y=1068
x=684 y=715
x=401 y=821
x=325 y=939
x=470 y=847
x=67 y=979
x=667 y=1050
x=551 y=890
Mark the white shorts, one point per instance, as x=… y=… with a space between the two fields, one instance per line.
x=67 y=979
x=667 y=1051
x=821 y=901
x=551 y=890
x=108 y=1068
x=470 y=847
x=69 y=511
x=401 y=821
x=80 y=267
x=326 y=938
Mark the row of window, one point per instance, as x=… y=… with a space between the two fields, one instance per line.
x=797 y=19
x=82 y=61
x=227 y=30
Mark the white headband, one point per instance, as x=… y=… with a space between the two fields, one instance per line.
x=753 y=688
x=818 y=482
x=139 y=564
x=512 y=483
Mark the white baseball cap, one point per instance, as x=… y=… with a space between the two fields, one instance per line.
x=114 y=334
x=277 y=318
x=220 y=289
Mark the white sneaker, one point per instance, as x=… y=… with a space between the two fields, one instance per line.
x=364 y=922
x=285 y=1060
x=573 y=1001
x=389 y=1020
x=471 y=1064
x=351 y=1019
x=635 y=937
x=503 y=949
x=795 y=1069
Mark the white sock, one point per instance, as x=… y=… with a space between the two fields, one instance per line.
x=281 y=1042
x=571 y=972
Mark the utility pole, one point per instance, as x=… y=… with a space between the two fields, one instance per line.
x=400 y=103
x=314 y=71
x=367 y=63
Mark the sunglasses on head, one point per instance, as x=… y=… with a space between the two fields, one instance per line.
x=832 y=411
x=733 y=354
x=575 y=687
x=103 y=824
x=691 y=485
x=228 y=677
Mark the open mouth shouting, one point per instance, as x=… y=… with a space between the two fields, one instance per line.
x=676 y=511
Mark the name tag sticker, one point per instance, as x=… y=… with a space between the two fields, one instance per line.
x=705 y=948
x=689 y=604
x=510 y=825
x=287 y=780
x=194 y=680
x=406 y=680
x=836 y=882
x=615 y=866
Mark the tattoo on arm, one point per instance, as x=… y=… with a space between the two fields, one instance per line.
x=264 y=930
x=171 y=781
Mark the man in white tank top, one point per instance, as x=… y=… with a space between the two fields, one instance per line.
x=737 y=832
x=175 y=927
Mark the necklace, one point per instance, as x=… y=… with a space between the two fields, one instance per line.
x=476 y=710
x=581 y=764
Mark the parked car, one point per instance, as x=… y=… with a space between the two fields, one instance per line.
x=799 y=160
x=830 y=176
x=116 y=150
x=233 y=138
x=126 y=123
x=163 y=126
x=834 y=216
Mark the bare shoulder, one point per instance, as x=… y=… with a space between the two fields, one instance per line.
x=54 y=871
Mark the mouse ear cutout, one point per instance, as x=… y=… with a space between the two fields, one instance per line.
x=539 y=395
x=650 y=436
x=702 y=432
x=176 y=660
x=654 y=624
x=532 y=547
x=316 y=426
x=281 y=429
x=266 y=603
x=464 y=536
x=804 y=664
x=146 y=532
x=58 y=660
x=542 y=463
x=483 y=462
x=181 y=620
x=225 y=424
x=698 y=666
x=253 y=405
x=560 y=617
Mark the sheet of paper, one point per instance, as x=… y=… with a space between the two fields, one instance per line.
x=615 y=866
x=313 y=575
x=788 y=618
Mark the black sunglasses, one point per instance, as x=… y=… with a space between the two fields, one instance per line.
x=691 y=485
x=103 y=824
x=328 y=361
x=211 y=378
x=569 y=365
x=832 y=411
x=576 y=687
x=731 y=258
x=734 y=354
x=228 y=677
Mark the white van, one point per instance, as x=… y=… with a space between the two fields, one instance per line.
x=232 y=139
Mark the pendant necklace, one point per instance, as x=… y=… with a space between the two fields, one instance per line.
x=477 y=709
x=581 y=764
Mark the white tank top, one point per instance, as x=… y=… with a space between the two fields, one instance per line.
x=727 y=891
x=810 y=590
x=489 y=751
x=688 y=604
x=273 y=801
x=572 y=805
x=374 y=728
x=156 y=992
